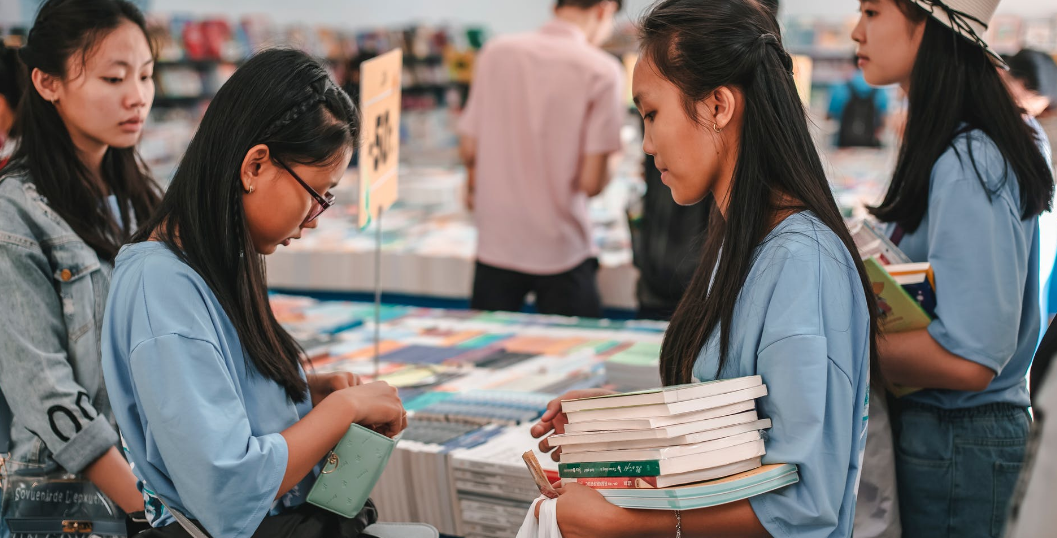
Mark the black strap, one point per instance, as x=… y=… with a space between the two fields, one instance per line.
x=897 y=235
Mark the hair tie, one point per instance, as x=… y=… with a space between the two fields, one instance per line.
x=772 y=41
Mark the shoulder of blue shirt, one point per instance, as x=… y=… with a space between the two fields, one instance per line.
x=973 y=155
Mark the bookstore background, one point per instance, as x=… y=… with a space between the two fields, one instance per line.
x=474 y=382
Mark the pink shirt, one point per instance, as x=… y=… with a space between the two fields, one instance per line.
x=540 y=101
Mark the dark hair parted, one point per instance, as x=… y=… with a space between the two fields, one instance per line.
x=65 y=30
x=285 y=100
x=699 y=46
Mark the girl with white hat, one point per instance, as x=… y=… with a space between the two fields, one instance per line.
x=969 y=184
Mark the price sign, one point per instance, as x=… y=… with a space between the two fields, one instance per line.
x=380 y=133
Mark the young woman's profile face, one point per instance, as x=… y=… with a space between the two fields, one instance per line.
x=278 y=209
x=689 y=154
x=888 y=42
x=107 y=93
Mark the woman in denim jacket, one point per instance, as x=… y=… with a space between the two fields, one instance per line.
x=70 y=196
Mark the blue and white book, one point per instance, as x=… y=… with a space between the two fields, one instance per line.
x=705 y=494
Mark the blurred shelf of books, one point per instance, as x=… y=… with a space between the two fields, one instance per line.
x=197 y=55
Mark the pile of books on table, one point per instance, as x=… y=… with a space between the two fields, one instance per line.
x=682 y=447
x=494 y=491
x=421 y=482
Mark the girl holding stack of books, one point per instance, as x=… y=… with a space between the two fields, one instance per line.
x=780 y=292
x=970 y=182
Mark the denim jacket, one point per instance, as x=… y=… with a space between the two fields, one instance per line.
x=53 y=291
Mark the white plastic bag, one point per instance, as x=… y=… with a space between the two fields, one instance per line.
x=547 y=526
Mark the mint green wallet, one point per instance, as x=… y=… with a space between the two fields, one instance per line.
x=351 y=471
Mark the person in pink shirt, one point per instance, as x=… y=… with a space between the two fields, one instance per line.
x=542 y=119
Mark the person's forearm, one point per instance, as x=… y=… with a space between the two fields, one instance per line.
x=915 y=359
x=734 y=519
x=310 y=438
x=113 y=476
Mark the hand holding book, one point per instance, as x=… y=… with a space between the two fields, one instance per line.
x=554 y=419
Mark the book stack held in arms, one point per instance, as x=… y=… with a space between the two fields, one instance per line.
x=906 y=292
x=677 y=448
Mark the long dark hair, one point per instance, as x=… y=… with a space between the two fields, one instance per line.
x=45 y=151
x=698 y=48
x=10 y=76
x=954 y=89
x=285 y=100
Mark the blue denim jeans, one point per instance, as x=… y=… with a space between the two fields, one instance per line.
x=957 y=469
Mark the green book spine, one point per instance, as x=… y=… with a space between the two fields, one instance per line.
x=632 y=469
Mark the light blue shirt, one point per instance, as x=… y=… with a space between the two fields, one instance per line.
x=201 y=425
x=801 y=322
x=986 y=262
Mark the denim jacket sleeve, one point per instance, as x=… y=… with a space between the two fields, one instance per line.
x=37 y=378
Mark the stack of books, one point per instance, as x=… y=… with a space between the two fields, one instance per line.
x=494 y=491
x=674 y=441
x=420 y=483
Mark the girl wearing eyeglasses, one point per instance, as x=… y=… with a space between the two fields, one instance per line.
x=220 y=421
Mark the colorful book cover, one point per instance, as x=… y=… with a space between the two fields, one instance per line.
x=897 y=310
x=919 y=281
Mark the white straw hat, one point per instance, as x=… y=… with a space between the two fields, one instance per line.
x=968 y=18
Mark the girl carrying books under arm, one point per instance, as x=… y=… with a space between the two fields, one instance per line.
x=780 y=291
x=969 y=185
x=221 y=422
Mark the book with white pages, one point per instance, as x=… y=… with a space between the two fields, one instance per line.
x=680 y=465
x=667 y=395
x=672 y=480
x=690 y=439
x=702 y=495
x=661 y=453
x=666 y=433
x=659 y=422
x=662 y=410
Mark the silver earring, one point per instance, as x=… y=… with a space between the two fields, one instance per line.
x=250 y=190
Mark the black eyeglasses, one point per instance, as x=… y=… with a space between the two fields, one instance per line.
x=322 y=203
